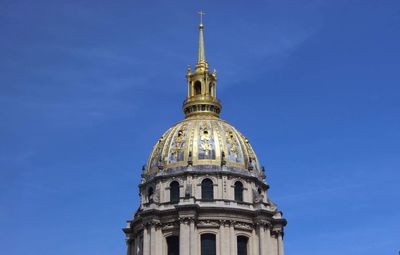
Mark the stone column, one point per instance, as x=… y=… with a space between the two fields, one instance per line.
x=184 y=237
x=220 y=239
x=192 y=234
x=261 y=238
x=133 y=245
x=232 y=238
x=268 y=241
x=225 y=240
x=146 y=241
x=254 y=245
x=140 y=247
x=159 y=240
x=152 y=240
x=129 y=242
x=280 y=243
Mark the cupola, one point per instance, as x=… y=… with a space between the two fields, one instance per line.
x=201 y=85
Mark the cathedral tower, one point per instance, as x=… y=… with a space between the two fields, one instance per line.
x=203 y=191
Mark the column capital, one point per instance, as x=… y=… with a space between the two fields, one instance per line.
x=277 y=232
x=263 y=223
x=186 y=220
x=128 y=241
x=152 y=223
x=225 y=222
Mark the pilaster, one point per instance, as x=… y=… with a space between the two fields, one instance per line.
x=159 y=239
x=232 y=238
x=146 y=241
x=152 y=240
x=260 y=231
x=184 y=247
x=193 y=243
x=280 y=243
x=268 y=240
x=129 y=246
x=255 y=246
x=225 y=237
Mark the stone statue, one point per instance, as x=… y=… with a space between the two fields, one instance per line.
x=188 y=190
x=156 y=195
x=257 y=196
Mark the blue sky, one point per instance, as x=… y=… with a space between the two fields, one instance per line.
x=87 y=87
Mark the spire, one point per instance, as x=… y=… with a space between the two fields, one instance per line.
x=201 y=57
x=202 y=92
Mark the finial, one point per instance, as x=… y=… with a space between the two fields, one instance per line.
x=201 y=13
x=202 y=56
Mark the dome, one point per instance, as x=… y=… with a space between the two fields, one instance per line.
x=202 y=190
x=203 y=142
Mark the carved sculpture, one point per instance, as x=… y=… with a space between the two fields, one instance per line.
x=188 y=190
x=257 y=196
x=156 y=195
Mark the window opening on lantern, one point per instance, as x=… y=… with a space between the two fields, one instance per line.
x=197 y=88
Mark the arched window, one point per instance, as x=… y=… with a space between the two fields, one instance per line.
x=207 y=190
x=174 y=192
x=173 y=245
x=208 y=246
x=150 y=193
x=197 y=88
x=238 y=191
x=242 y=245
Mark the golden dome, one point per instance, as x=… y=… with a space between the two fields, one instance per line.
x=203 y=142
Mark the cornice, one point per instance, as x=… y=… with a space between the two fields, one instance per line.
x=202 y=171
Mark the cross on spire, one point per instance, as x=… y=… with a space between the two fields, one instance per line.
x=201 y=13
x=202 y=56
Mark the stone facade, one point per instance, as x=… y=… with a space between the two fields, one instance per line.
x=255 y=217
